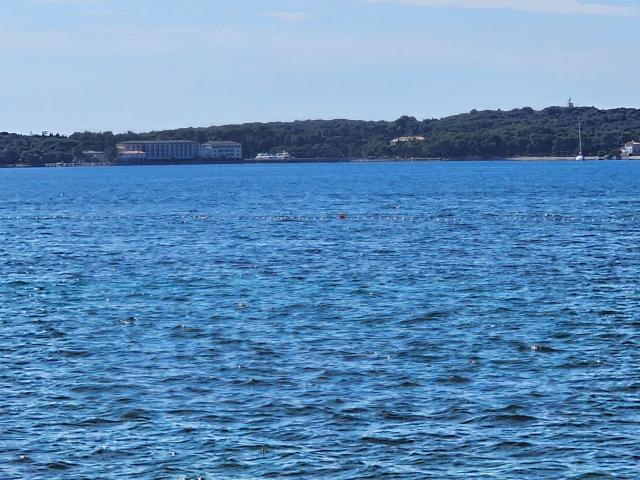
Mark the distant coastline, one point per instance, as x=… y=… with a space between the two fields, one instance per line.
x=318 y=160
x=519 y=134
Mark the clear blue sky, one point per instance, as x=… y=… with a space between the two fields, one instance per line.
x=138 y=65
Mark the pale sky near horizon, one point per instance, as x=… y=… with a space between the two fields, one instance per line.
x=72 y=65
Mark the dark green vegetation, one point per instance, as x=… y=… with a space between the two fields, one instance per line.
x=478 y=134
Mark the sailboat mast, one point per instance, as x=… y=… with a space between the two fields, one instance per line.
x=580 y=135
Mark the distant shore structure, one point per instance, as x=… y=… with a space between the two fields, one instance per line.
x=408 y=139
x=221 y=149
x=150 y=151
x=158 y=150
x=94 y=155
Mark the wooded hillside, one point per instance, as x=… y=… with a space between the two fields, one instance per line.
x=477 y=134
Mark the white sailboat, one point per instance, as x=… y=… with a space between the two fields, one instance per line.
x=580 y=157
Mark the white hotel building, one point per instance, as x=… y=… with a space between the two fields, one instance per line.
x=222 y=149
x=150 y=151
x=158 y=151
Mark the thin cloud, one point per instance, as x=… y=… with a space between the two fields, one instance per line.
x=531 y=6
x=289 y=16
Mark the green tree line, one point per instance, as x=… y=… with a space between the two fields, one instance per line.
x=552 y=131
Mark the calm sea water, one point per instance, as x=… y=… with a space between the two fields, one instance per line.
x=467 y=320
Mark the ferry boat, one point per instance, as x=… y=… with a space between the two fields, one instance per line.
x=282 y=156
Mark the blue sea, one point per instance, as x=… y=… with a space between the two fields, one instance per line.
x=466 y=320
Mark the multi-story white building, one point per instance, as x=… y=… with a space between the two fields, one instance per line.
x=222 y=149
x=158 y=151
x=408 y=139
x=631 y=148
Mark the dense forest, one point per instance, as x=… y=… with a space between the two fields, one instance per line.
x=477 y=134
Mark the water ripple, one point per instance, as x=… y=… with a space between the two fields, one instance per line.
x=465 y=320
